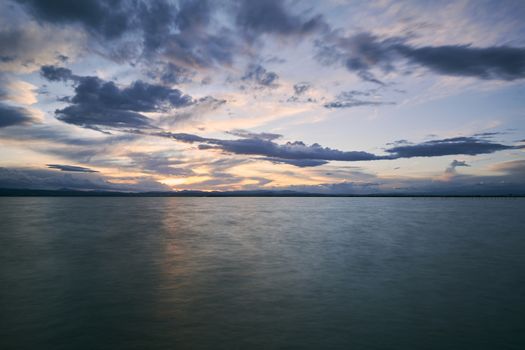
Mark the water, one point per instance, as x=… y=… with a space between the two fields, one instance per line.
x=262 y=273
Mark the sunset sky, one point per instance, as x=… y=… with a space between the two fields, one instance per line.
x=333 y=96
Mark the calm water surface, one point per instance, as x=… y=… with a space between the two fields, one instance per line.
x=262 y=273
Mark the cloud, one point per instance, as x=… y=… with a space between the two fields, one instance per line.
x=94 y=117
x=61 y=140
x=254 y=135
x=263 y=147
x=302 y=163
x=498 y=62
x=197 y=43
x=314 y=154
x=467 y=145
x=363 y=52
x=290 y=150
x=273 y=17
x=301 y=88
x=454 y=164
x=348 y=99
x=465 y=185
x=17 y=91
x=156 y=19
x=349 y=102
x=10 y=116
x=195 y=34
x=513 y=168
x=107 y=18
x=71 y=168
x=59 y=135
x=170 y=74
x=260 y=76
x=193 y=112
x=98 y=103
x=159 y=163
x=188 y=33
x=174 y=32
x=53 y=73
x=509 y=181
x=200 y=49
x=23 y=178
x=27 y=46
x=138 y=97
x=359 y=53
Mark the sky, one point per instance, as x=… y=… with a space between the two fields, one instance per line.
x=354 y=97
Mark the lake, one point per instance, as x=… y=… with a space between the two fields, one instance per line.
x=262 y=273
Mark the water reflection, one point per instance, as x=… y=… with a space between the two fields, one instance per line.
x=162 y=273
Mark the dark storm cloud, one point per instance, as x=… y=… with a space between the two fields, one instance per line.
x=108 y=18
x=259 y=75
x=98 y=103
x=273 y=17
x=363 y=52
x=450 y=146
x=10 y=116
x=71 y=168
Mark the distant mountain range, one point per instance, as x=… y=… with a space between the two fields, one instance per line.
x=7 y=192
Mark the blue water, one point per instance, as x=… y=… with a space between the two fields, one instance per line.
x=262 y=273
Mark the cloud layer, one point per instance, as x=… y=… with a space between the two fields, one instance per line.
x=240 y=94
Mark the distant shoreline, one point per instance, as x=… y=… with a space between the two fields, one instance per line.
x=261 y=193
